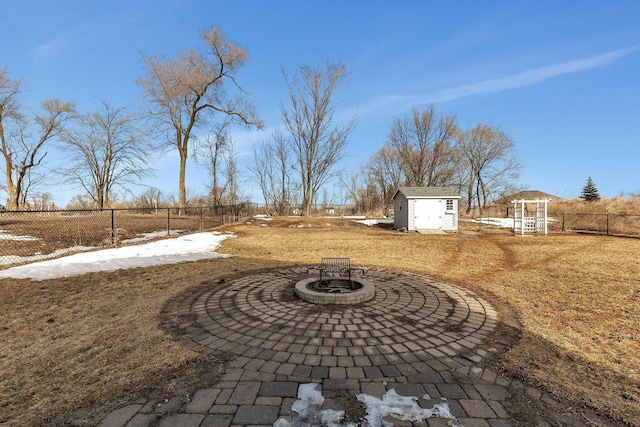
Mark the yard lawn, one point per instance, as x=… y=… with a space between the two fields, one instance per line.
x=95 y=339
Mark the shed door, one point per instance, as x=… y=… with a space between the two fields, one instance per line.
x=428 y=214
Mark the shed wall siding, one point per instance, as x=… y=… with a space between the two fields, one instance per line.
x=405 y=212
x=400 y=212
x=411 y=215
x=450 y=217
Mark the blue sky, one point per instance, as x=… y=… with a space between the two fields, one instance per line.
x=562 y=78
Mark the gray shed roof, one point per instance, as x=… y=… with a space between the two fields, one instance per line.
x=427 y=192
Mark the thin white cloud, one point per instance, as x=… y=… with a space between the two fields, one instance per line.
x=522 y=79
x=45 y=52
x=530 y=77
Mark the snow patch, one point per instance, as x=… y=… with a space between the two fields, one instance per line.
x=310 y=413
x=191 y=247
x=401 y=407
x=498 y=222
x=17 y=259
x=150 y=236
x=5 y=236
x=370 y=222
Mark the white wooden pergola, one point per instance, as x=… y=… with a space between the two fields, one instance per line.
x=530 y=216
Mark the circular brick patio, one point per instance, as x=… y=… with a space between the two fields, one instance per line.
x=419 y=337
x=411 y=320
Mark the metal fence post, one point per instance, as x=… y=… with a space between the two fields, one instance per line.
x=607 y=224
x=113 y=228
x=201 y=214
x=168 y=221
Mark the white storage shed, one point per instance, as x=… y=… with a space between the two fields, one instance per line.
x=426 y=208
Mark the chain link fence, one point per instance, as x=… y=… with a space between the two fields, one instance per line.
x=620 y=225
x=624 y=225
x=28 y=236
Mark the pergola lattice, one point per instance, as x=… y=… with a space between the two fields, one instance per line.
x=524 y=222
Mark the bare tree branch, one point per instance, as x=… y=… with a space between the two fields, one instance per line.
x=184 y=94
x=107 y=149
x=424 y=143
x=489 y=156
x=316 y=141
x=271 y=171
x=22 y=138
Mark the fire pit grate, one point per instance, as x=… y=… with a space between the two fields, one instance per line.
x=336 y=289
x=333 y=286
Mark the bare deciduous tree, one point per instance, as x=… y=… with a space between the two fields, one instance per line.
x=271 y=171
x=385 y=169
x=209 y=152
x=286 y=190
x=185 y=94
x=262 y=171
x=106 y=149
x=3 y=189
x=351 y=184
x=316 y=141
x=231 y=191
x=490 y=161
x=80 y=201
x=362 y=189
x=217 y=153
x=150 y=198
x=22 y=138
x=32 y=180
x=424 y=150
x=424 y=143
x=42 y=201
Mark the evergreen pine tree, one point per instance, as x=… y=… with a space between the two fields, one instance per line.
x=589 y=191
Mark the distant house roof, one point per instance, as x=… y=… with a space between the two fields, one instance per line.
x=526 y=195
x=530 y=195
x=427 y=192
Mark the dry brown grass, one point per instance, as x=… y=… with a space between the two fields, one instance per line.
x=616 y=205
x=64 y=229
x=73 y=342
x=619 y=216
x=577 y=297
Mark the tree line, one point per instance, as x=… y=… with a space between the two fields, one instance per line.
x=425 y=148
x=191 y=102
